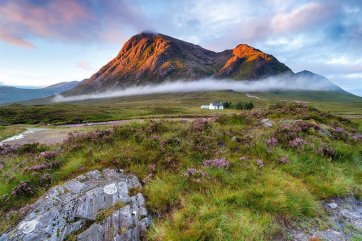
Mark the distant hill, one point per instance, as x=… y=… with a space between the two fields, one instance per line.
x=322 y=82
x=10 y=94
x=149 y=58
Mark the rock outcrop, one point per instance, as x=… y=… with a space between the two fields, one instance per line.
x=345 y=222
x=95 y=206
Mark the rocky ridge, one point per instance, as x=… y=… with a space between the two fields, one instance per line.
x=150 y=58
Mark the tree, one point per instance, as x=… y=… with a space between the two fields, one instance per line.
x=244 y=105
x=249 y=105
x=227 y=105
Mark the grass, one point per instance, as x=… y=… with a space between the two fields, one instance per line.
x=8 y=131
x=167 y=105
x=105 y=213
x=252 y=198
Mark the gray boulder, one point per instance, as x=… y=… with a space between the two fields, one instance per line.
x=93 y=206
x=344 y=218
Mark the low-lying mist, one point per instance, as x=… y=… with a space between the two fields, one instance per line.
x=270 y=84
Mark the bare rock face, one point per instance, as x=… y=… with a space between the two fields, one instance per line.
x=345 y=222
x=93 y=206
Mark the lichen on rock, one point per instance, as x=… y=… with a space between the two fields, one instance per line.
x=70 y=211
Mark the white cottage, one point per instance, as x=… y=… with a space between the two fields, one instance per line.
x=213 y=106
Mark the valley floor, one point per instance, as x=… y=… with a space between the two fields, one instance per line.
x=169 y=105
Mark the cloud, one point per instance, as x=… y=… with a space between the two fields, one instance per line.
x=86 y=66
x=66 y=20
x=51 y=20
x=14 y=39
x=301 y=17
x=270 y=84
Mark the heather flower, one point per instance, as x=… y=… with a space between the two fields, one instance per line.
x=218 y=163
x=357 y=137
x=297 y=142
x=37 y=167
x=199 y=124
x=6 y=149
x=243 y=158
x=339 y=130
x=260 y=163
x=305 y=126
x=271 y=142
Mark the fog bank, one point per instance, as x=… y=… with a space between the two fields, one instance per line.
x=270 y=84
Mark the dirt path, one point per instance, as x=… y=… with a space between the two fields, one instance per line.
x=54 y=135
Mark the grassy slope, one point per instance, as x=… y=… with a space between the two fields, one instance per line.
x=7 y=131
x=243 y=201
x=167 y=105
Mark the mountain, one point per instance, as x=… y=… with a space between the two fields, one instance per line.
x=320 y=82
x=149 y=58
x=10 y=94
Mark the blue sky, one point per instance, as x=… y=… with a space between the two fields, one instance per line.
x=43 y=42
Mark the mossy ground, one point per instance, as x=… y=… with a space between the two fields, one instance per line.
x=266 y=185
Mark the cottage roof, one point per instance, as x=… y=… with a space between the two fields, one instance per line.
x=218 y=104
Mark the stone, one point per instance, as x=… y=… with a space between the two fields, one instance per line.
x=266 y=123
x=332 y=205
x=345 y=221
x=86 y=208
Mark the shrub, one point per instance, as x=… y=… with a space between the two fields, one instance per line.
x=297 y=142
x=244 y=105
x=48 y=154
x=272 y=142
x=218 y=163
x=7 y=149
x=199 y=124
x=227 y=105
x=30 y=148
x=23 y=189
x=37 y=167
x=195 y=173
x=328 y=152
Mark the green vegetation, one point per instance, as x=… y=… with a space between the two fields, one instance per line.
x=7 y=131
x=240 y=105
x=169 y=105
x=105 y=213
x=226 y=179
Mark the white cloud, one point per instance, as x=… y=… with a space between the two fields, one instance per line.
x=270 y=84
x=355 y=76
x=299 y=18
x=86 y=66
x=339 y=60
